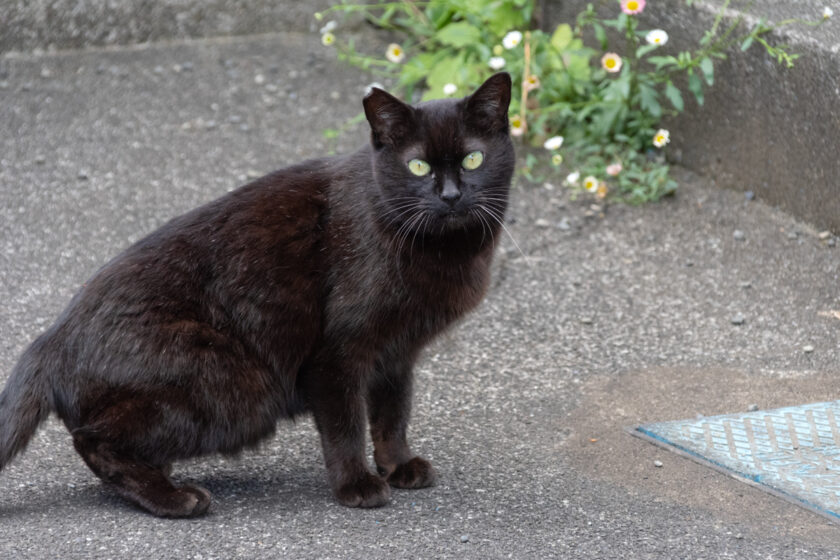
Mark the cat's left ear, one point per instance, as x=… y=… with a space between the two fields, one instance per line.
x=390 y=119
x=487 y=108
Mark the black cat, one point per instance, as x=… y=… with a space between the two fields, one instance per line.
x=311 y=289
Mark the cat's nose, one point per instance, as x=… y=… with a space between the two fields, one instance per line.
x=450 y=193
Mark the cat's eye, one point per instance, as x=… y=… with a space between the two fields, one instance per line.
x=419 y=167
x=473 y=160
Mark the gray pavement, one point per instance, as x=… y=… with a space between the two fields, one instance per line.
x=601 y=322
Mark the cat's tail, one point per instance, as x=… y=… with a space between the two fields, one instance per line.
x=23 y=406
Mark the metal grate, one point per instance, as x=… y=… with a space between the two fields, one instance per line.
x=793 y=452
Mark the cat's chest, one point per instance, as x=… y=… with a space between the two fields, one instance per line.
x=408 y=299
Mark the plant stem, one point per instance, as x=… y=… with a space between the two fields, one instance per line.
x=526 y=73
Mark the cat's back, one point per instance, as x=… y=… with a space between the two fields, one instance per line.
x=266 y=228
x=235 y=270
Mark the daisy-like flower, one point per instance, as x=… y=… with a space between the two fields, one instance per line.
x=632 y=7
x=614 y=169
x=611 y=62
x=496 y=63
x=572 y=178
x=512 y=39
x=553 y=143
x=590 y=183
x=556 y=159
x=395 y=53
x=657 y=37
x=661 y=138
x=601 y=191
x=327 y=39
x=532 y=83
x=827 y=12
x=449 y=89
x=329 y=26
x=517 y=127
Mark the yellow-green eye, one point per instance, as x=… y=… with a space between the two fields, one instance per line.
x=473 y=160
x=419 y=167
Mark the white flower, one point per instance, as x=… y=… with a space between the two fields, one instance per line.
x=329 y=26
x=590 y=183
x=553 y=143
x=395 y=53
x=449 y=89
x=611 y=62
x=657 y=37
x=827 y=12
x=327 y=39
x=661 y=138
x=573 y=178
x=512 y=39
x=496 y=63
x=614 y=169
x=517 y=126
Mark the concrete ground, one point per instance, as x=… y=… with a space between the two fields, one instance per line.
x=608 y=317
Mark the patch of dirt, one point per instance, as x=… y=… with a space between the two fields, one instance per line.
x=600 y=446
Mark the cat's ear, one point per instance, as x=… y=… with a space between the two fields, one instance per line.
x=487 y=108
x=390 y=119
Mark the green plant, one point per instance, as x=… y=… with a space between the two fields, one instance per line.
x=603 y=108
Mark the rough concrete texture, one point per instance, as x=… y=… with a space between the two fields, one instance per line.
x=762 y=128
x=26 y=25
x=598 y=323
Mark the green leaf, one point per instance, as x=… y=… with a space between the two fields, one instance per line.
x=444 y=72
x=604 y=121
x=648 y=101
x=501 y=17
x=674 y=96
x=662 y=61
x=459 y=34
x=708 y=68
x=696 y=87
x=562 y=37
x=644 y=49
x=747 y=43
x=600 y=35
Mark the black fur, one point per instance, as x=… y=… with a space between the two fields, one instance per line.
x=309 y=290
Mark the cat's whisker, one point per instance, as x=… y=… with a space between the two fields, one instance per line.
x=473 y=212
x=500 y=221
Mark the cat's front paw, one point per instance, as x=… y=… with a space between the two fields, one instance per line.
x=367 y=491
x=416 y=473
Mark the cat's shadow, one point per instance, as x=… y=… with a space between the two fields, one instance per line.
x=279 y=492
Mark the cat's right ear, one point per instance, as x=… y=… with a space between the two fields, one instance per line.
x=390 y=119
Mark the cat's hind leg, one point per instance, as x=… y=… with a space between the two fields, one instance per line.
x=146 y=485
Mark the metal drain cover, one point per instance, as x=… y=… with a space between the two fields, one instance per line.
x=792 y=452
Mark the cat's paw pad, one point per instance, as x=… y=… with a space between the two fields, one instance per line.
x=367 y=491
x=416 y=473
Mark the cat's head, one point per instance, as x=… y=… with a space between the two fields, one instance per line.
x=444 y=165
